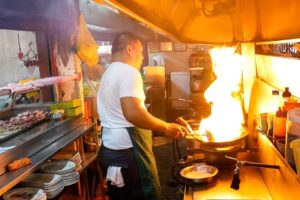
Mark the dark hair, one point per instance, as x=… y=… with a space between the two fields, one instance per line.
x=122 y=40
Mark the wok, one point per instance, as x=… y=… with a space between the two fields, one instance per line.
x=211 y=144
x=207 y=139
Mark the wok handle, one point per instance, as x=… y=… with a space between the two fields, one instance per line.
x=254 y=164
x=182 y=122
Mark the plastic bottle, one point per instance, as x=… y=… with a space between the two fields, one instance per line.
x=279 y=128
x=286 y=96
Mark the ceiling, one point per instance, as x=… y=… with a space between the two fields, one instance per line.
x=204 y=21
x=189 y=21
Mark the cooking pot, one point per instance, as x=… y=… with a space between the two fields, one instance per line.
x=199 y=173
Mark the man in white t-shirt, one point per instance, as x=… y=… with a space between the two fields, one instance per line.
x=126 y=154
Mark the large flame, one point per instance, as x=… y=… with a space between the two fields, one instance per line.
x=224 y=93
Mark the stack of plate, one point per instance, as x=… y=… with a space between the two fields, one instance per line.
x=25 y=193
x=65 y=168
x=52 y=184
x=70 y=155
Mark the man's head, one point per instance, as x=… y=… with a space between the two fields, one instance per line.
x=128 y=48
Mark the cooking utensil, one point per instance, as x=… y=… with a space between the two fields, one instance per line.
x=199 y=173
x=181 y=121
x=191 y=132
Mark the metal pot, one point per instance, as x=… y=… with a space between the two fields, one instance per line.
x=199 y=173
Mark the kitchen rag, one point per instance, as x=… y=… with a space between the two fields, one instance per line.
x=115 y=176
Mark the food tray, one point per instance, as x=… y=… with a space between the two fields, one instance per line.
x=13 y=134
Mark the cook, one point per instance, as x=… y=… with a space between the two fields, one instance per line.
x=126 y=153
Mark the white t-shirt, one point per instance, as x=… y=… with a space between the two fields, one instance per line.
x=119 y=80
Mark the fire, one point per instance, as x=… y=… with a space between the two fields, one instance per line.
x=225 y=121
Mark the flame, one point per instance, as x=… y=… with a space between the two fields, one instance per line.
x=224 y=93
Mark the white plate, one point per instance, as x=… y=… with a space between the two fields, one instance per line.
x=54 y=194
x=72 y=180
x=42 y=179
x=68 y=155
x=58 y=167
x=25 y=193
x=69 y=175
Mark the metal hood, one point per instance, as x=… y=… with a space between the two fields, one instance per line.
x=104 y=22
x=217 y=21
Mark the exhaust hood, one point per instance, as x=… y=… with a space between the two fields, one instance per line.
x=217 y=21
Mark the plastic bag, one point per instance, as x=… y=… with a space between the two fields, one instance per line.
x=86 y=46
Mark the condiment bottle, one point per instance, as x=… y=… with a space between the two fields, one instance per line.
x=279 y=128
x=275 y=100
x=286 y=96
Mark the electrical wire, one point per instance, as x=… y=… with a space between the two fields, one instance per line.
x=178 y=150
x=173 y=148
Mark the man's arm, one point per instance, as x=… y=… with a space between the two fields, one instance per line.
x=136 y=114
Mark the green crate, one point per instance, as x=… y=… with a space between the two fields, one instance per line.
x=55 y=106
x=70 y=112
x=71 y=104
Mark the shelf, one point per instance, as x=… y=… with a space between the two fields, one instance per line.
x=70 y=196
x=10 y=179
x=89 y=158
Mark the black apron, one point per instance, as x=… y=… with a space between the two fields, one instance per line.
x=142 y=144
x=143 y=155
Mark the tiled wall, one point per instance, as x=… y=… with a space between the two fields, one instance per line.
x=11 y=69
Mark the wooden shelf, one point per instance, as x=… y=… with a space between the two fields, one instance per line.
x=89 y=158
x=70 y=196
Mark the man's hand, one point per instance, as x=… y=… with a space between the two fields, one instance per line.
x=175 y=130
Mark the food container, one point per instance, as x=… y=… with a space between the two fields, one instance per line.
x=292 y=133
x=295 y=145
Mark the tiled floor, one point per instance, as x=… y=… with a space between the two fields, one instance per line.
x=163 y=151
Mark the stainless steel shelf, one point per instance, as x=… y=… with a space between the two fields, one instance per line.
x=10 y=179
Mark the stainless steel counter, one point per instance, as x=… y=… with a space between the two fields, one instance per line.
x=252 y=185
